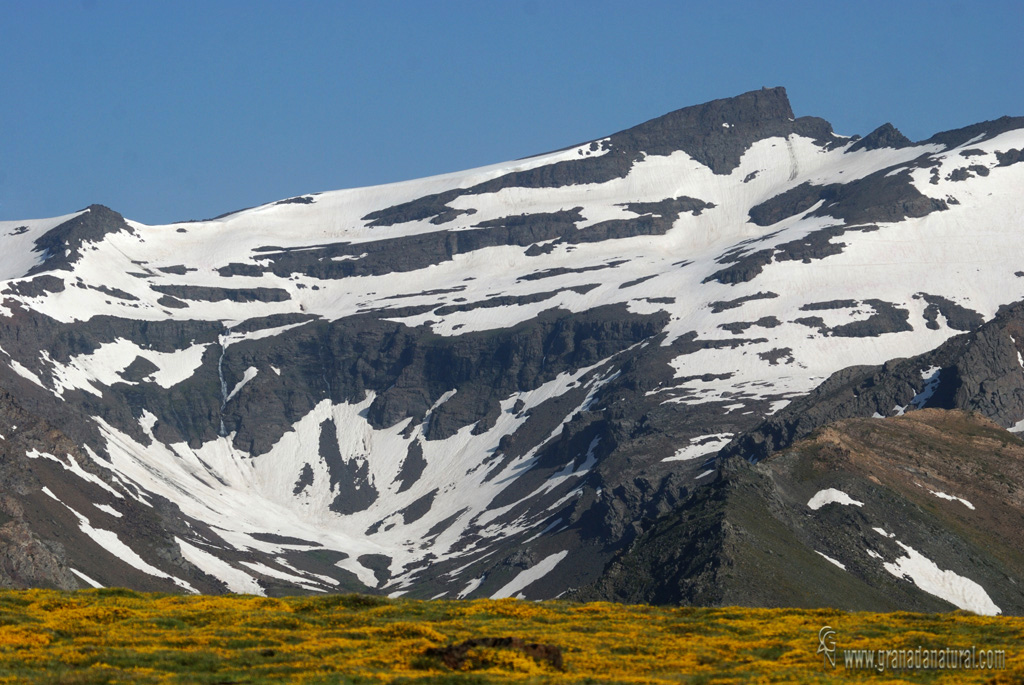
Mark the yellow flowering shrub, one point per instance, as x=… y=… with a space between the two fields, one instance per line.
x=118 y=636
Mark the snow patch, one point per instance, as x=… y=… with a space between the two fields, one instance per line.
x=108 y=540
x=20 y=369
x=88 y=581
x=831 y=496
x=952 y=498
x=105 y=365
x=830 y=559
x=249 y=374
x=701 y=447
x=931 y=378
x=107 y=509
x=547 y=529
x=234 y=337
x=530 y=575
x=74 y=468
x=20 y=252
x=959 y=591
x=236 y=580
x=326 y=579
x=281 y=575
x=471 y=587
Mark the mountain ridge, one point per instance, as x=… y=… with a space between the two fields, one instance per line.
x=488 y=381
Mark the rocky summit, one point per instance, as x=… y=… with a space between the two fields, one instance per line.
x=613 y=371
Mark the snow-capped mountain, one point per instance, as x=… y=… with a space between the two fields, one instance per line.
x=486 y=383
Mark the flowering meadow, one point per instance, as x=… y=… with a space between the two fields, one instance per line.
x=119 y=636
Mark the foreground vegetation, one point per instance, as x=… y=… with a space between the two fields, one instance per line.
x=119 y=636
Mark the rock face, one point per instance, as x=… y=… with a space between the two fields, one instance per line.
x=502 y=381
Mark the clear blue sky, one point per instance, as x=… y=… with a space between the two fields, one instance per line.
x=176 y=110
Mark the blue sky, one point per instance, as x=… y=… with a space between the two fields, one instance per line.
x=168 y=111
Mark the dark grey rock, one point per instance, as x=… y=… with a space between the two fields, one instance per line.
x=300 y=200
x=115 y=292
x=171 y=302
x=794 y=201
x=379 y=564
x=350 y=480
x=776 y=354
x=743 y=269
x=304 y=480
x=981 y=131
x=885 y=136
x=638 y=281
x=236 y=269
x=721 y=306
x=412 y=466
x=885 y=318
x=35 y=287
x=957 y=316
x=831 y=304
x=419 y=508
x=177 y=270
x=138 y=370
x=1009 y=157
x=207 y=294
x=738 y=327
x=879 y=197
x=562 y=270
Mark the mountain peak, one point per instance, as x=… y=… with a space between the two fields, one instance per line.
x=753 y=107
x=885 y=135
x=717 y=133
x=61 y=244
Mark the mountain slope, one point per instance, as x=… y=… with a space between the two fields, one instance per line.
x=482 y=383
x=981 y=371
x=922 y=510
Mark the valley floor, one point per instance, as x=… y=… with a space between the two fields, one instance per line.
x=119 y=636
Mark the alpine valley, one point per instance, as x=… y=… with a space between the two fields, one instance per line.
x=727 y=356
